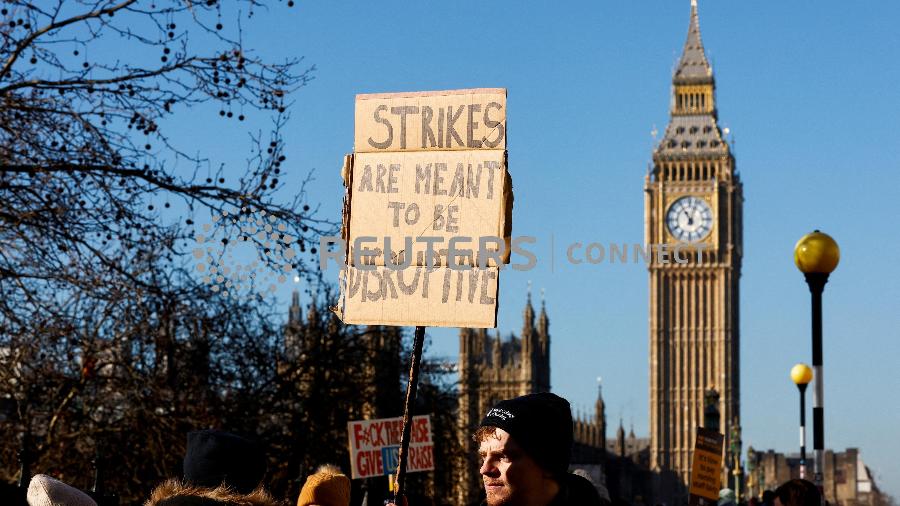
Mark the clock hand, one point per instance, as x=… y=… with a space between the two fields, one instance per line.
x=689 y=218
x=696 y=214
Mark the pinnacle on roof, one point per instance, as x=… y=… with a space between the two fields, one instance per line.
x=312 y=315
x=542 y=319
x=693 y=66
x=294 y=311
x=528 y=313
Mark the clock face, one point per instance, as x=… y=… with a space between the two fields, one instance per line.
x=689 y=219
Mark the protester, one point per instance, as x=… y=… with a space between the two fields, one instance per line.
x=214 y=458
x=768 y=498
x=726 y=497
x=176 y=493
x=797 y=493
x=328 y=486
x=46 y=491
x=220 y=469
x=525 y=447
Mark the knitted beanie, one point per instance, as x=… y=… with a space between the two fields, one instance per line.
x=327 y=487
x=214 y=458
x=46 y=491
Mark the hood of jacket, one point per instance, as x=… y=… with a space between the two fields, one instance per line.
x=176 y=493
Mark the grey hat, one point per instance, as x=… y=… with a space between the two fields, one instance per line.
x=46 y=491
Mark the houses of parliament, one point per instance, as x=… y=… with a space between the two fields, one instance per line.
x=693 y=196
x=492 y=368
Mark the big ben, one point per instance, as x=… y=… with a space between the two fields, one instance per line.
x=693 y=196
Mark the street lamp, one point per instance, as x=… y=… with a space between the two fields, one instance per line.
x=801 y=375
x=817 y=255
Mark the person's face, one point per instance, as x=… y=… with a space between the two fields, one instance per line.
x=511 y=477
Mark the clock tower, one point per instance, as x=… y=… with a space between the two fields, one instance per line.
x=692 y=196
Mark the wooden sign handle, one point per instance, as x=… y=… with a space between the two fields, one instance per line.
x=412 y=386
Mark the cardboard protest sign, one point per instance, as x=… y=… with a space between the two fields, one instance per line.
x=423 y=296
x=402 y=198
x=374 y=446
x=706 y=469
x=433 y=120
x=427 y=191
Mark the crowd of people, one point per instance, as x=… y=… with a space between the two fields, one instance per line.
x=524 y=450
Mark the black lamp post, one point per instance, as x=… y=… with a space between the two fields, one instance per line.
x=817 y=255
x=801 y=375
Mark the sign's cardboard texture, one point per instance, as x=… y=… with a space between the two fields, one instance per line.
x=441 y=194
x=435 y=297
x=706 y=469
x=433 y=120
x=374 y=446
x=426 y=165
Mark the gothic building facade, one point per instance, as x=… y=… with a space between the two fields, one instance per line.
x=847 y=480
x=492 y=368
x=380 y=356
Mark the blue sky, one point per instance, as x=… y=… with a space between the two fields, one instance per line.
x=810 y=93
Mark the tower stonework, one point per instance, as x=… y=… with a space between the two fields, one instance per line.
x=693 y=196
x=492 y=369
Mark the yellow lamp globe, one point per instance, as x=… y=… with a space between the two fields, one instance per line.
x=816 y=253
x=801 y=374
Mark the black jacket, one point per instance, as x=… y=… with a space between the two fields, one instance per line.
x=574 y=491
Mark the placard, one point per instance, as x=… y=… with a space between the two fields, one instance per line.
x=427 y=191
x=375 y=444
x=706 y=468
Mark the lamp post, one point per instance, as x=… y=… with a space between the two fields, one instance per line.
x=738 y=473
x=752 y=485
x=817 y=255
x=801 y=375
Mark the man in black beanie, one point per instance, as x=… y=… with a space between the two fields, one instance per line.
x=215 y=458
x=524 y=447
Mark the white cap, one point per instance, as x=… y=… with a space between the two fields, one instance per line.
x=46 y=491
